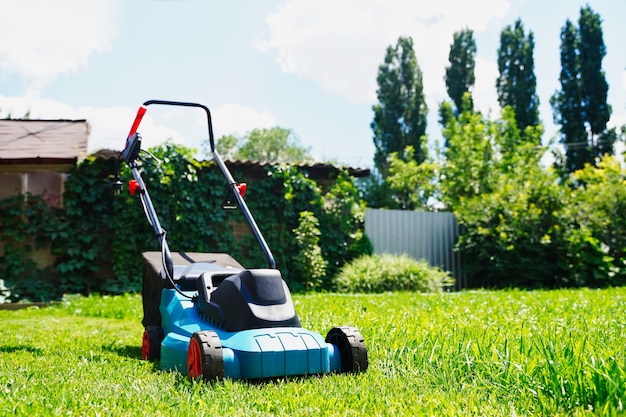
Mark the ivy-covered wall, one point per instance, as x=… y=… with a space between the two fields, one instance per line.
x=97 y=237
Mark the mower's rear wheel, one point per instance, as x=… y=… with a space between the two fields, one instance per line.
x=351 y=347
x=205 y=358
x=151 y=346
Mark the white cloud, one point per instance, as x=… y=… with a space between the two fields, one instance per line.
x=485 y=95
x=44 y=39
x=235 y=119
x=36 y=108
x=618 y=118
x=110 y=126
x=340 y=44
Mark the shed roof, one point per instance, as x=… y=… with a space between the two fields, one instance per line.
x=316 y=170
x=42 y=141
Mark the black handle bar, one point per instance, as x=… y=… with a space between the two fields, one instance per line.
x=133 y=141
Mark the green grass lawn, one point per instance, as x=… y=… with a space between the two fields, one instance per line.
x=509 y=353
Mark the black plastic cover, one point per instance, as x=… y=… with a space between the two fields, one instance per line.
x=250 y=299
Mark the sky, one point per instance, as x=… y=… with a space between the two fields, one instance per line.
x=305 y=65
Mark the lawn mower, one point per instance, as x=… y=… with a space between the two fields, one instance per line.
x=207 y=316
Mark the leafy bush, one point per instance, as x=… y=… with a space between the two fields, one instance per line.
x=309 y=261
x=342 y=224
x=380 y=273
x=532 y=232
x=513 y=235
x=84 y=236
x=97 y=240
x=509 y=207
x=27 y=225
x=340 y=214
x=596 y=232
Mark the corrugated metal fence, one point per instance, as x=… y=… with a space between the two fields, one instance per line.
x=420 y=235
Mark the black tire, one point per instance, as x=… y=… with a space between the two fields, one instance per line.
x=205 y=358
x=151 y=345
x=351 y=347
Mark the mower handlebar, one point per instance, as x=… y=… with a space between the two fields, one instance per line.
x=144 y=107
x=131 y=152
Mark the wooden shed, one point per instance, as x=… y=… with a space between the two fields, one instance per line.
x=35 y=155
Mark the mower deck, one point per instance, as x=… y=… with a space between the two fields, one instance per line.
x=187 y=341
x=247 y=354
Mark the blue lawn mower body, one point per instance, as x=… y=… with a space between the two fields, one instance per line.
x=207 y=316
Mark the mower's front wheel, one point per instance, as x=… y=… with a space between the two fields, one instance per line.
x=352 y=349
x=151 y=346
x=205 y=358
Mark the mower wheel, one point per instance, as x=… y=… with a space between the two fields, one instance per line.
x=351 y=347
x=151 y=346
x=205 y=358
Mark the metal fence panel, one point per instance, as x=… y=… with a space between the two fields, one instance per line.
x=420 y=235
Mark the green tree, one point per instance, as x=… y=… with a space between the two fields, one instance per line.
x=460 y=76
x=511 y=219
x=512 y=235
x=594 y=88
x=517 y=82
x=597 y=236
x=581 y=107
x=446 y=112
x=567 y=103
x=227 y=146
x=467 y=166
x=275 y=145
x=412 y=184
x=400 y=115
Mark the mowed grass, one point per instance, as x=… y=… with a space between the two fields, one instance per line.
x=509 y=353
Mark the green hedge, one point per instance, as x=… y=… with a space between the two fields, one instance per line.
x=98 y=238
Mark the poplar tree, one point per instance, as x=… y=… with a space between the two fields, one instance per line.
x=400 y=115
x=517 y=83
x=594 y=88
x=567 y=103
x=460 y=76
x=581 y=107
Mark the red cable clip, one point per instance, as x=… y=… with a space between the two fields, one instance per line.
x=133 y=186
x=242 y=187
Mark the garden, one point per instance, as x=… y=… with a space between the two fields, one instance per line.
x=552 y=351
x=471 y=353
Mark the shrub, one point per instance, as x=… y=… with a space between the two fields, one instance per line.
x=309 y=262
x=513 y=235
x=380 y=273
x=596 y=227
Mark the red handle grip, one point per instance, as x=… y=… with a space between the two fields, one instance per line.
x=140 y=113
